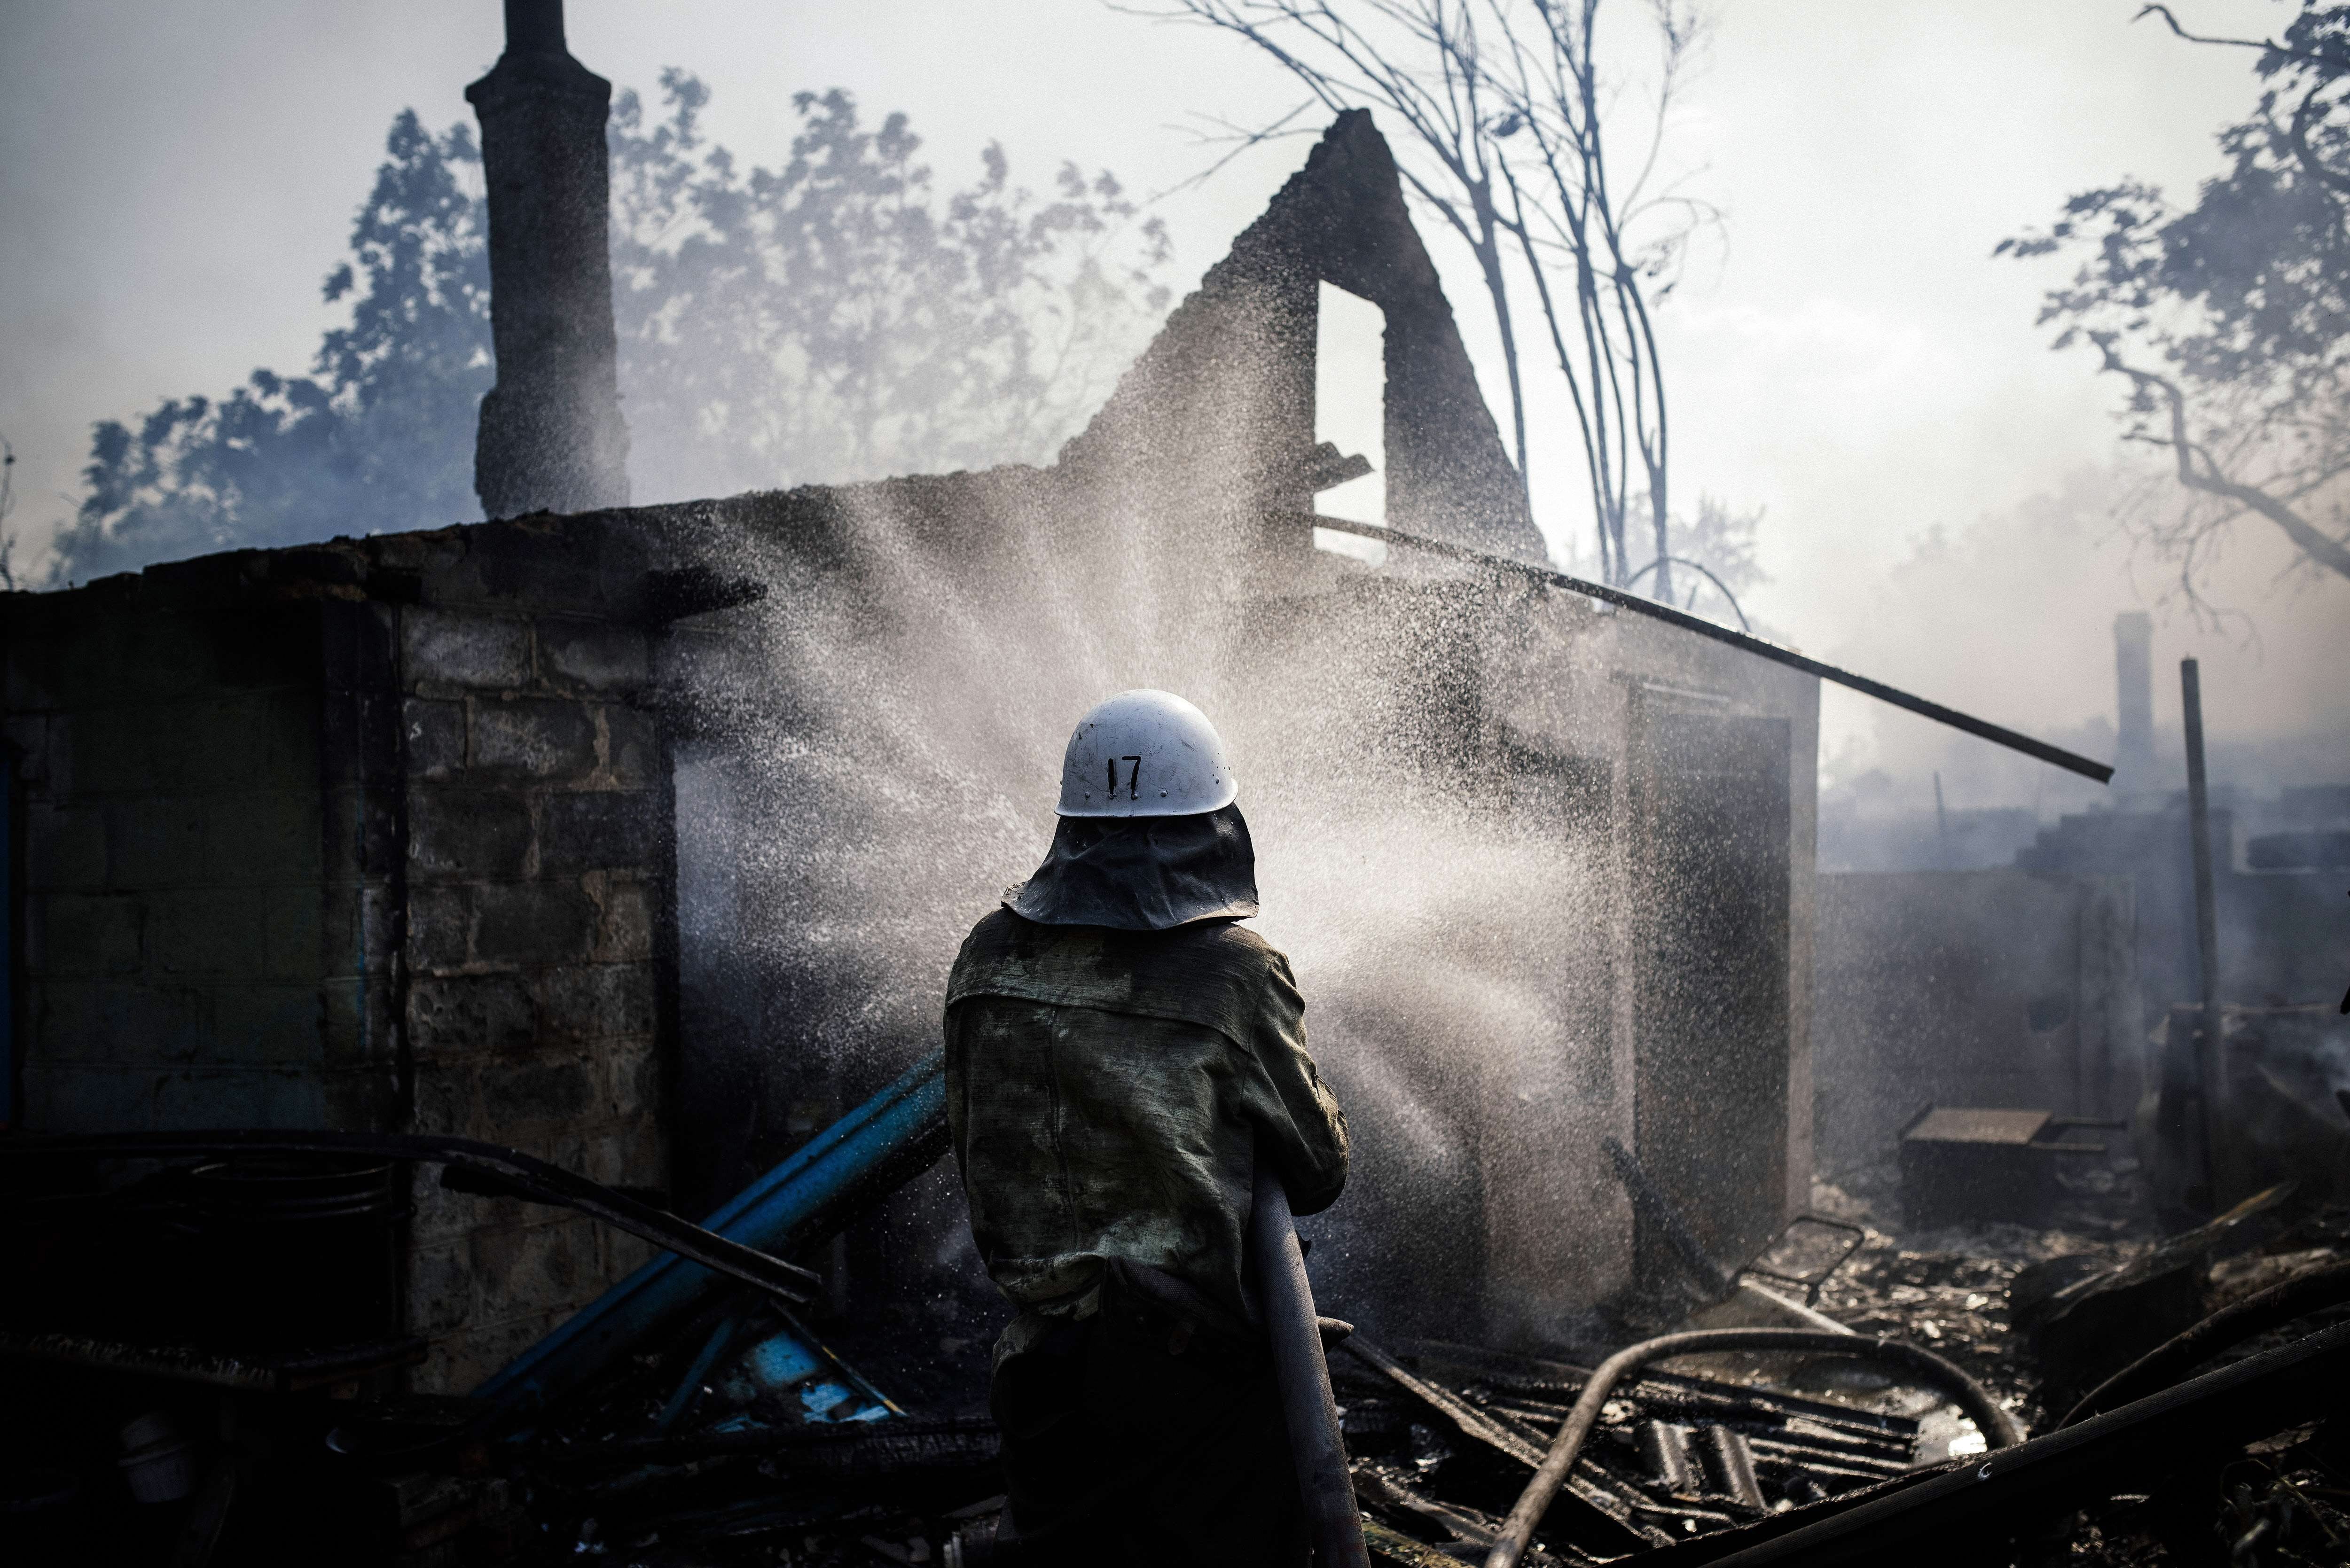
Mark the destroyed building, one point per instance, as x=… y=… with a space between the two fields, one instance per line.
x=2041 y=983
x=640 y=840
x=569 y=873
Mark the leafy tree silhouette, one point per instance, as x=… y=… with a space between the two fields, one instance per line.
x=837 y=318
x=379 y=436
x=2225 y=320
x=841 y=318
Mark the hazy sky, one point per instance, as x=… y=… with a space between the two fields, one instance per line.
x=180 y=174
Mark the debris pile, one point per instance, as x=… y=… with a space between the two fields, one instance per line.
x=2137 y=1397
x=1442 y=1448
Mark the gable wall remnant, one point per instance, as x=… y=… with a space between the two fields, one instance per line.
x=1219 y=411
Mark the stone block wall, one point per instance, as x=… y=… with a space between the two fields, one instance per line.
x=371 y=836
x=194 y=943
x=537 y=845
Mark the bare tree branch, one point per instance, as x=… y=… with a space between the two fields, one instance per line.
x=1701 y=568
x=1503 y=116
x=2198 y=472
x=2164 y=11
x=1241 y=139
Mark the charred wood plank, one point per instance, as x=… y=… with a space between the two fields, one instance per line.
x=1475 y=1423
x=282 y=1374
x=859 y=1448
x=487 y=1168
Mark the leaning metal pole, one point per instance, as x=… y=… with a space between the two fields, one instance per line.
x=1307 y=1406
x=2207 y=936
x=1999 y=734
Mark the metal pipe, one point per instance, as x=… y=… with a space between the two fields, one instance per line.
x=1968 y=1511
x=1664 y=1449
x=1649 y=1200
x=2069 y=761
x=2207 y=933
x=870 y=1152
x=1307 y=1406
x=1730 y=1464
x=1998 y=1427
x=2172 y=1359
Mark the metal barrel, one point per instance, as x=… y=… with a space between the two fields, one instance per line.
x=1308 y=1404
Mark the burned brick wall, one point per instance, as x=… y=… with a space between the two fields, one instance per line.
x=201 y=933
x=372 y=836
x=537 y=852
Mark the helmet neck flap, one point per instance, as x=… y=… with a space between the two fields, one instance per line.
x=1142 y=873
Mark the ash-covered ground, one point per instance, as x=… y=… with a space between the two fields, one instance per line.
x=1442 y=1437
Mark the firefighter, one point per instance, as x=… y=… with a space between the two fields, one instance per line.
x=1120 y=1054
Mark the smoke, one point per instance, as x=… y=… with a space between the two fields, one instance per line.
x=884 y=757
x=2012 y=619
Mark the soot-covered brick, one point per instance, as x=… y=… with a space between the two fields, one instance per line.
x=535 y=737
x=595 y=830
x=469 y=835
x=534 y=924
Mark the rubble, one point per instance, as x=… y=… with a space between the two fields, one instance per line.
x=739 y=1433
x=732 y=1429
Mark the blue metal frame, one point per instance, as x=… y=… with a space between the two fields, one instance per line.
x=870 y=1152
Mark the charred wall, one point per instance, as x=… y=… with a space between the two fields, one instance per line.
x=2280 y=930
x=371 y=836
x=1231 y=373
x=658 y=830
x=203 y=784
x=654 y=833
x=1697 y=763
x=2000 y=988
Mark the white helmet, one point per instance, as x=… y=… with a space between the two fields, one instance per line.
x=1145 y=753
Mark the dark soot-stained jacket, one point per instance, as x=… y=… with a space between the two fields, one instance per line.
x=1110 y=1092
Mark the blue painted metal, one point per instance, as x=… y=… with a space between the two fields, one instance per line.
x=794 y=1361
x=867 y=1154
x=707 y=1357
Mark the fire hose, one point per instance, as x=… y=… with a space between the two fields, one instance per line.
x=1998 y=1427
x=1308 y=1407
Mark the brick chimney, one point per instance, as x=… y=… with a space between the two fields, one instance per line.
x=551 y=436
x=2134 y=693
